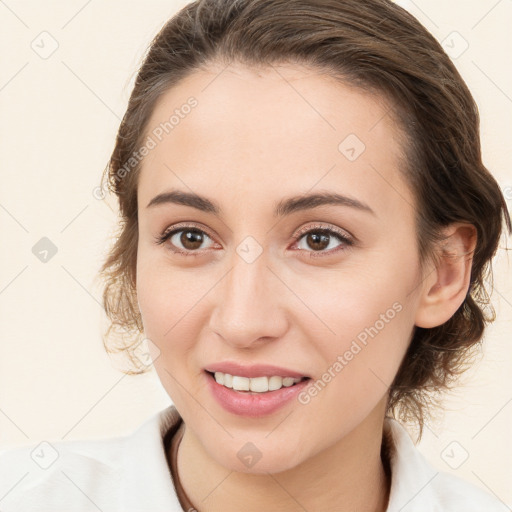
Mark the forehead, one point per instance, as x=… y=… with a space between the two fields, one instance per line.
x=270 y=129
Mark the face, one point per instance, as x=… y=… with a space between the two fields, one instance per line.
x=261 y=276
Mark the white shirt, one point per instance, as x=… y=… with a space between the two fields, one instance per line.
x=131 y=474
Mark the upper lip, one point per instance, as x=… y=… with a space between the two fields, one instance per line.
x=253 y=370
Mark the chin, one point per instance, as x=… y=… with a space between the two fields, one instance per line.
x=251 y=460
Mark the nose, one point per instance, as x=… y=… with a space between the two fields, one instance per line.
x=249 y=308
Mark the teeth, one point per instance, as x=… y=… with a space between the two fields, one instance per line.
x=254 y=384
x=275 y=383
x=241 y=383
x=228 y=380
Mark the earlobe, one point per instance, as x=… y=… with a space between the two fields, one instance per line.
x=446 y=287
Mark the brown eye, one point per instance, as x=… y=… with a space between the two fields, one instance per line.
x=191 y=239
x=184 y=240
x=316 y=241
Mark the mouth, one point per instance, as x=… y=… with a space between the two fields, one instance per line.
x=257 y=396
x=255 y=385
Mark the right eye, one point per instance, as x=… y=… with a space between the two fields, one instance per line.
x=184 y=240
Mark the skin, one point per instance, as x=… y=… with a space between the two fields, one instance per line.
x=255 y=138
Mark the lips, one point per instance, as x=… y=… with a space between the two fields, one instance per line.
x=255 y=370
x=254 y=405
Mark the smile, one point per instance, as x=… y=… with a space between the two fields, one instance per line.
x=255 y=384
x=244 y=402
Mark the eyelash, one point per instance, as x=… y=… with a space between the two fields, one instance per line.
x=342 y=237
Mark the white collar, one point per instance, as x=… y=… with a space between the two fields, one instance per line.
x=416 y=486
x=147 y=482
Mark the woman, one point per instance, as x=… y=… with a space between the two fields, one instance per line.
x=307 y=224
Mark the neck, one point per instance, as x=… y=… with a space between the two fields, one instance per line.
x=348 y=476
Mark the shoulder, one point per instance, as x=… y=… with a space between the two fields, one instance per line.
x=58 y=473
x=112 y=474
x=417 y=486
x=455 y=494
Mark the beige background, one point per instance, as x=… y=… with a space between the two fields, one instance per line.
x=60 y=113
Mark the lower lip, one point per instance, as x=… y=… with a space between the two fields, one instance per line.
x=253 y=404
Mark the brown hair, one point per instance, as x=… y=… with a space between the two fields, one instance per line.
x=374 y=45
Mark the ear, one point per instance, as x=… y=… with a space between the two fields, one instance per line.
x=446 y=287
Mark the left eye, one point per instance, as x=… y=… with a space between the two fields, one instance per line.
x=320 y=240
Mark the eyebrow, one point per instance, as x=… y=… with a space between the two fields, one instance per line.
x=282 y=208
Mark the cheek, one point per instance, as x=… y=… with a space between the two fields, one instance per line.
x=358 y=303
x=370 y=314
x=163 y=292
x=166 y=300
x=152 y=298
x=357 y=370
x=171 y=302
